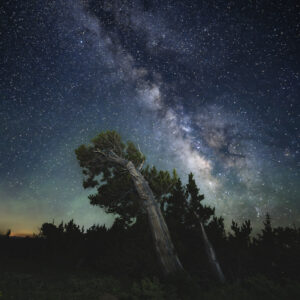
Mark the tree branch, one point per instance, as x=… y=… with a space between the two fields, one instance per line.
x=140 y=167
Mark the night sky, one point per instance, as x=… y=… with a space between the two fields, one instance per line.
x=209 y=87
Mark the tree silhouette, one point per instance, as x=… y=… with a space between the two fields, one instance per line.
x=115 y=169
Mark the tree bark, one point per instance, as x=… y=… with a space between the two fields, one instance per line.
x=212 y=258
x=162 y=240
x=160 y=232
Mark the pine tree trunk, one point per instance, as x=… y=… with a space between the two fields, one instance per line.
x=162 y=240
x=160 y=233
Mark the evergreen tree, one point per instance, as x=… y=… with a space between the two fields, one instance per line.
x=241 y=234
x=115 y=169
x=196 y=210
x=176 y=205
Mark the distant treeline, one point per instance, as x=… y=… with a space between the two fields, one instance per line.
x=127 y=250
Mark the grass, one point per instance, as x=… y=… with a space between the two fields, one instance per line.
x=22 y=286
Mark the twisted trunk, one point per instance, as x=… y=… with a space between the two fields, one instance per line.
x=160 y=232
x=162 y=240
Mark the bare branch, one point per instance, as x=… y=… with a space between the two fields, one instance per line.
x=99 y=151
x=113 y=154
x=140 y=149
x=140 y=167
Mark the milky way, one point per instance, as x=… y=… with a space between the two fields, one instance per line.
x=209 y=87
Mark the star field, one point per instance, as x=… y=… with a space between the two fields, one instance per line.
x=210 y=87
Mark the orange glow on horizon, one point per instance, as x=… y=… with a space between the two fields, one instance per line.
x=22 y=234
